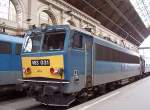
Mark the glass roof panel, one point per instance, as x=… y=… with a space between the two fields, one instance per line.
x=143 y=9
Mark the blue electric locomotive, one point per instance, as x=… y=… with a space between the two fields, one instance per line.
x=63 y=63
x=10 y=60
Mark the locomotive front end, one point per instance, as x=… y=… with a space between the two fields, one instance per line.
x=43 y=63
x=49 y=67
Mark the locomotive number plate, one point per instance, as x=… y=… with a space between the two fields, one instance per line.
x=43 y=62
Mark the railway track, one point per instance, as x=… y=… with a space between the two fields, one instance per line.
x=10 y=95
x=18 y=104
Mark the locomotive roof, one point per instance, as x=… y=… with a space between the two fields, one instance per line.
x=107 y=43
x=9 y=38
x=96 y=39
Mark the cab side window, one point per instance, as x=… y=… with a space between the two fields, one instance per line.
x=5 y=47
x=77 y=41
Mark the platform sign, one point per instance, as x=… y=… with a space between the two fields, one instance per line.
x=4 y=9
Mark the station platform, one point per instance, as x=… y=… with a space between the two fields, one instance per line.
x=19 y=104
x=135 y=96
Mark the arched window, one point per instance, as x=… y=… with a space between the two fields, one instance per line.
x=12 y=12
x=7 y=10
x=44 y=18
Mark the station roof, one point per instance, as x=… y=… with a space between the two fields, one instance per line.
x=117 y=15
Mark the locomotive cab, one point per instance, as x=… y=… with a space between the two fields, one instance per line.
x=44 y=56
x=43 y=62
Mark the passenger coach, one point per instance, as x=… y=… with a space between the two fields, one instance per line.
x=10 y=61
x=63 y=63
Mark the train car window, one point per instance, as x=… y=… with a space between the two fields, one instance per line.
x=109 y=54
x=121 y=58
x=115 y=55
x=54 y=41
x=106 y=54
x=18 y=49
x=127 y=57
x=77 y=41
x=5 y=47
x=100 y=52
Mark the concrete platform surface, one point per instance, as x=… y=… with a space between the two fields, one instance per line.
x=135 y=96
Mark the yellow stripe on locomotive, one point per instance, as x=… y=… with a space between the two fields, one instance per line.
x=43 y=67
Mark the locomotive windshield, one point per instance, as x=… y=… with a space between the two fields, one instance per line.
x=50 y=41
x=32 y=43
x=54 y=41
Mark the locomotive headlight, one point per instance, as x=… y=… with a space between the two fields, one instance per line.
x=56 y=71
x=52 y=70
x=27 y=70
